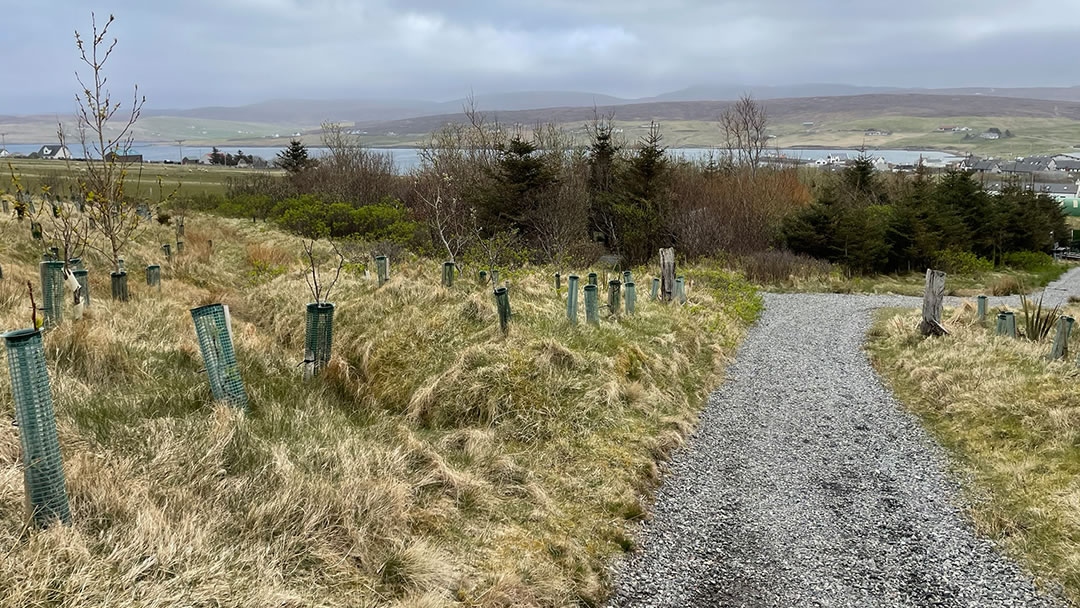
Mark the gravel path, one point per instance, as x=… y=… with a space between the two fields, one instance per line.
x=807 y=484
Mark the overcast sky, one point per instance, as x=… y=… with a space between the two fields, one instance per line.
x=188 y=53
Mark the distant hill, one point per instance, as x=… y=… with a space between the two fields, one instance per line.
x=800 y=109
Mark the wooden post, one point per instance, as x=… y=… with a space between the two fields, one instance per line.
x=631 y=297
x=448 y=274
x=592 y=307
x=614 y=298
x=667 y=273
x=933 y=303
x=655 y=288
x=571 y=299
x=1060 y=349
x=981 y=307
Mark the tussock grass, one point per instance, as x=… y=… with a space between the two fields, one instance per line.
x=435 y=462
x=1010 y=418
x=1000 y=282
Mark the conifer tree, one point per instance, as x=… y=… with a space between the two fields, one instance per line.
x=294 y=159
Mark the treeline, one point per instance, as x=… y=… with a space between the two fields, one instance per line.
x=870 y=224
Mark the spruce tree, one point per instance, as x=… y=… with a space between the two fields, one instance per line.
x=294 y=159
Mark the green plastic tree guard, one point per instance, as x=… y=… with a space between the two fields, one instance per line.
x=592 y=306
x=614 y=298
x=680 y=290
x=483 y=277
x=1006 y=324
x=76 y=263
x=981 y=307
x=52 y=292
x=592 y=278
x=119 y=286
x=5 y=204
x=448 y=274
x=627 y=277
x=655 y=289
x=43 y=469
x=120 y=264
x=1 y=272
x=54 y=252
x=82 y=276
x=571 y=299
x=167 y=248
x=631 y=297
x=1060 y=349
x=558 y=281
x=153 y=276
x=502 y=303
x=318 y=337
x=179 y=247
x=382 y=266
x=214 y=331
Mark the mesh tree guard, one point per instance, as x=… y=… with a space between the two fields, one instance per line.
x=483 y=277
x=502 y=303
x=167 y=248
x=495 y=278
x=558 y=281
x=153 y=276
x=82 y=276
x=119 y=286
x=680 y=290
x=1006 y=324
x=318 y=337
x=627 y=277
x=179 y=247
x=571 y=299
x=448 y=274
x=52 y=293
x=214 y=331
x=43 y=469
x=592 y=307
x=614 y=298
x=981 y=308
x=54 y=252
x=382 y=267
x=655 y=289
x=76 y=263
x=631 y=297
x=592 y=278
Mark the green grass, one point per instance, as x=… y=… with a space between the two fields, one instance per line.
x=1005 y=281
x=142 y=179
x=434 y=463
x=1011 y=421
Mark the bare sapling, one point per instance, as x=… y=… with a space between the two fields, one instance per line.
x=320 y=291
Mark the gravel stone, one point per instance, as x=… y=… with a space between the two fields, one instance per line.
x=807 y=484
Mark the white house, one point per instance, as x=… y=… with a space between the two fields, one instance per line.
x=4 y=152
x=56 y=151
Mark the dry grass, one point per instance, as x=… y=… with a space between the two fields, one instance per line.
x=435 y=463
x=1001 y=282
x=1011 y=419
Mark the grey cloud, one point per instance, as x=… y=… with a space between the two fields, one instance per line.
x=227 y=52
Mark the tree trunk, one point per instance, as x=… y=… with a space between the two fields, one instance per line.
x=667 y=273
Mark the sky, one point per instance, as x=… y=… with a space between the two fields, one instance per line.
x=192 y=53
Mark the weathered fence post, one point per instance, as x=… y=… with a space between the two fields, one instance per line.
x=43 y=469
x=82 y=276
x=318 y=337
x=1060 y=349
x=571 y=299
x=502 y=303
x=655 y=288
x=631 y=297
x=1006 y=324
x=592 y=306
x=981 y=308
x=614 y=298
x=153 y=276
x=382 y=267
x=933 y=303
x=667 y=273
x=592 y=278
x=52 y=292
x=448 y=274
x=213 y=326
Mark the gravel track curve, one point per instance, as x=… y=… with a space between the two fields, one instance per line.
x=807 y=484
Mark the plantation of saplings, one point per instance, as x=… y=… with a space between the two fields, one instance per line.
x=430 y=459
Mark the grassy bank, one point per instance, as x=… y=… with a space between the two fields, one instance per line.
x=1010 y=419
x=1002 y=282
x=142 y=179
x=434 y=463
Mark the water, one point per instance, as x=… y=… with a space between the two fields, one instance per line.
x=407 y=159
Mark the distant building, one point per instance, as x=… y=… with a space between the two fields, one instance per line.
x=876 y=133
x=127 y=159
x=991 y=133
x=4 y=153
x=54 y=152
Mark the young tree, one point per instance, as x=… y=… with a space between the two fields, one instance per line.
x=104 y=170
x=744 y=126
x=294 y=159
x=448 y=217
x=603 y=154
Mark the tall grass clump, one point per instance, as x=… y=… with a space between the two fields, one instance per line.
x=1011 y=419
x=433 y=462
